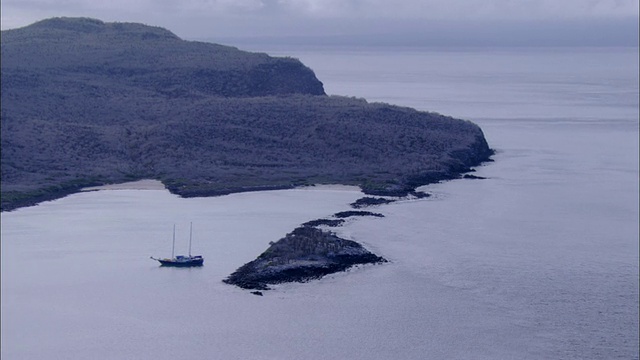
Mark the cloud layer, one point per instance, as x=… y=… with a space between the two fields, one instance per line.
x=242 y=18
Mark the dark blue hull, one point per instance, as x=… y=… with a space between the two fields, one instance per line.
x=182 y=261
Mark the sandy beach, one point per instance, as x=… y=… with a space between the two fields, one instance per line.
x=133 y=185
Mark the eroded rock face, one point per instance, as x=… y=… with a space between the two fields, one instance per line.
x=306 y=253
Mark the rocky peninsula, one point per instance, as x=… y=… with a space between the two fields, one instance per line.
x=87 y=103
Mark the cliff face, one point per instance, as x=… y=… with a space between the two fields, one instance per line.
x=88 y=54
x=86 y=102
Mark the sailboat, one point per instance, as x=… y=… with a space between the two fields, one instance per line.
x=181 y=260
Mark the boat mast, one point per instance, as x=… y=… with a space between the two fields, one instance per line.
x=173 y=247
x=190 y=236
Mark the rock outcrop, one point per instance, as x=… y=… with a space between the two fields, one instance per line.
x=305 y=254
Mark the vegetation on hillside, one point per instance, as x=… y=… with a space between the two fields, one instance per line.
x=86 y=102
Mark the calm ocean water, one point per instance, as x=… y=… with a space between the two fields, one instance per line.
x=538 y=261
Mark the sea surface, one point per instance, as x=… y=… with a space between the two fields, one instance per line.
x=537 y=261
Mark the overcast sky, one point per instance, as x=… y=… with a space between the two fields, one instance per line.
x=409 y=22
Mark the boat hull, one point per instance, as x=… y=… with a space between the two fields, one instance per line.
x=197 y=261
x=181 y=264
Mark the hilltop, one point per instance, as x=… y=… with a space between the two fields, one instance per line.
x=86 y=102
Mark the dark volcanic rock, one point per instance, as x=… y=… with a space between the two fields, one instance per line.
x=370 y=201
x=471 y=176
x=306 y=253
x=419 y=194
x=326 y=222
x=346 y=214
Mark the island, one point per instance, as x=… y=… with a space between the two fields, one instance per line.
x=87 y=103
x=305 y=254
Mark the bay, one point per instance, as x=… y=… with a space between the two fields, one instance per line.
x=539 y=260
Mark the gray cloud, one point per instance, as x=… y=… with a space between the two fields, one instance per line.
x=467 y=9
x=344 y=18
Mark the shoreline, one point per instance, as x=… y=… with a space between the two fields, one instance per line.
x=152 y=184
x=13 y=200
x=57 y=192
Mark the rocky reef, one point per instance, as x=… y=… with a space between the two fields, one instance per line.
x=305 y=254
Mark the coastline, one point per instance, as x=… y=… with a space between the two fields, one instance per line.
x=21 y=200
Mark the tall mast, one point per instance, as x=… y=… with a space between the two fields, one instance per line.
x=190 y=236
x=173 y=247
